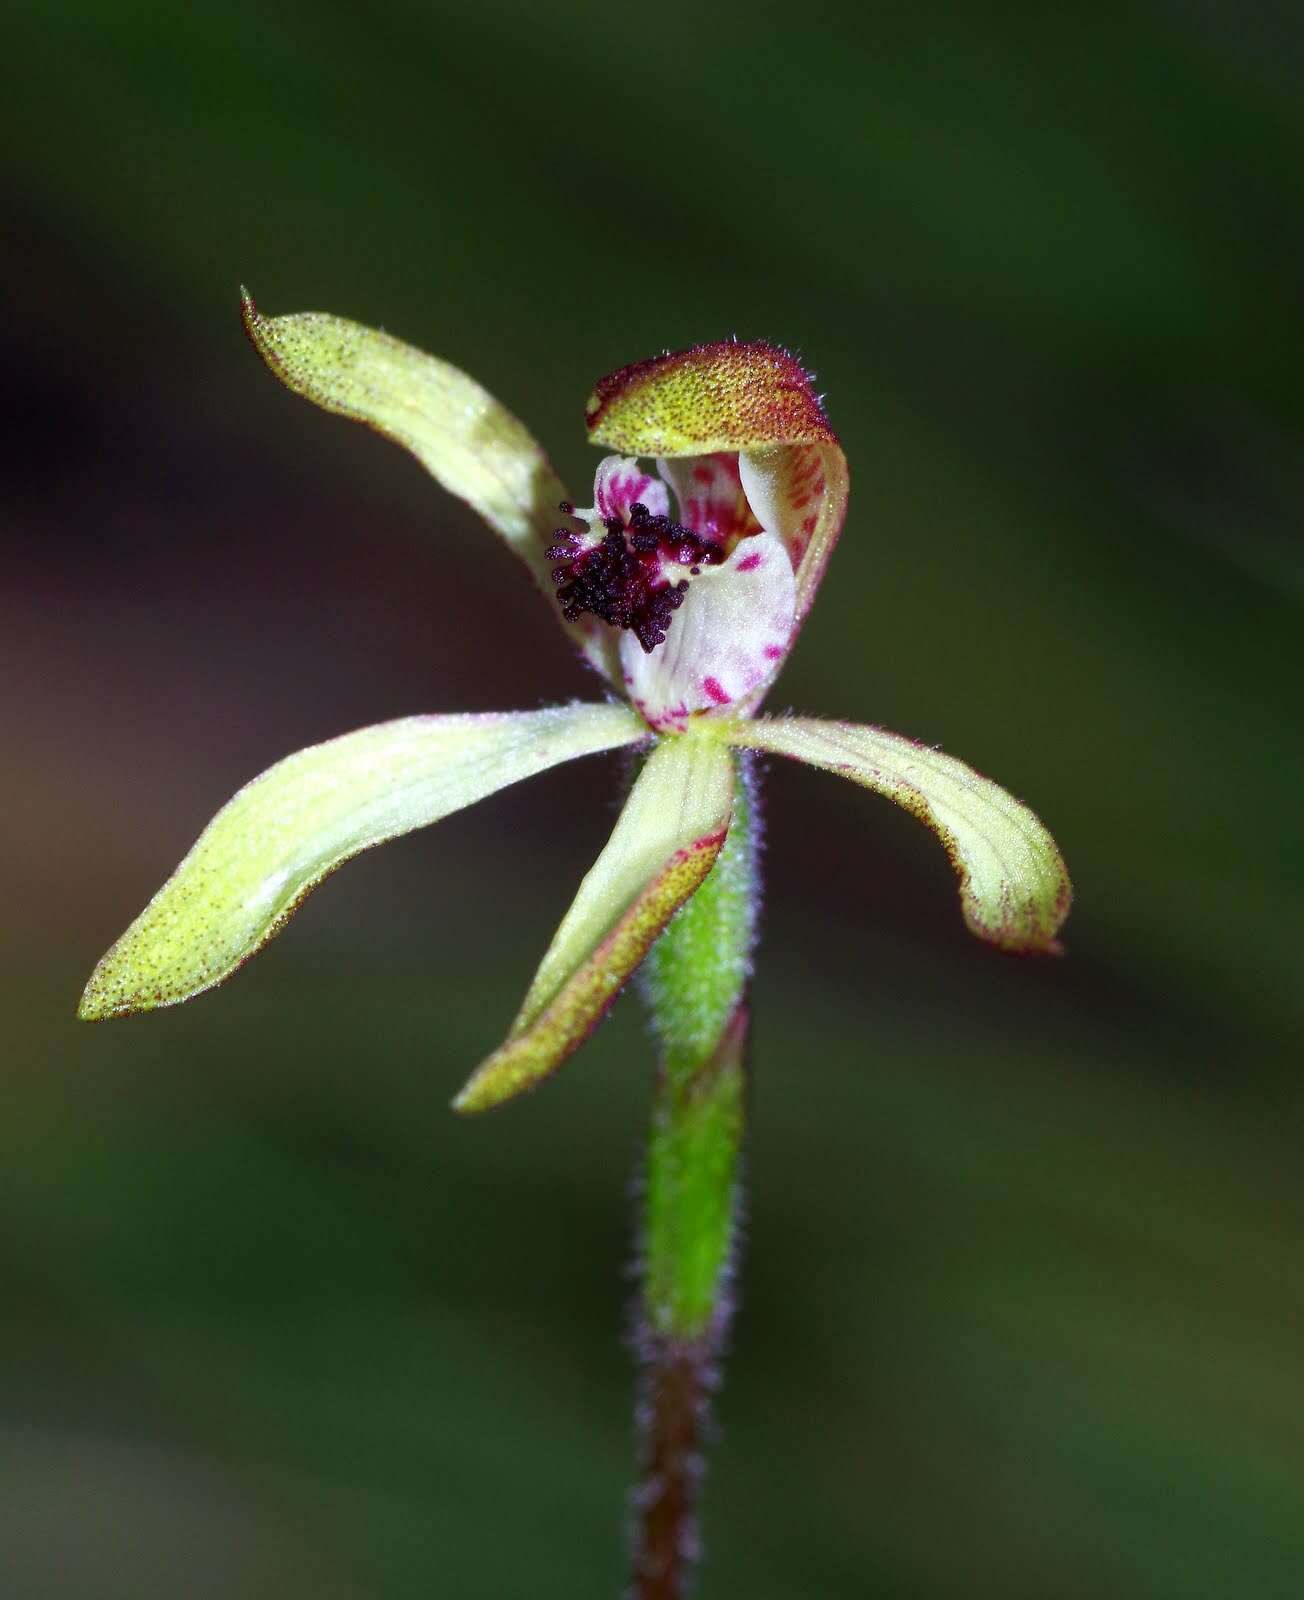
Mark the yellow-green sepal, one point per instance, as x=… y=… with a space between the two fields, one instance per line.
x=665 y=842
x=465 y=438
x=1014 y=886
x=275 y=841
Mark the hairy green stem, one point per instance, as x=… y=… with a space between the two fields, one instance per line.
x=696 y=982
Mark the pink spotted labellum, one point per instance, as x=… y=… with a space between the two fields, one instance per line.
x=684 y=585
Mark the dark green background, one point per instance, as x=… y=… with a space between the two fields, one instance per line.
x=1022 y=1302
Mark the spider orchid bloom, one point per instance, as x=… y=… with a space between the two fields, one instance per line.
x=684 y=585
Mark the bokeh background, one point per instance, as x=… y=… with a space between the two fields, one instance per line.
x=1022 y=1302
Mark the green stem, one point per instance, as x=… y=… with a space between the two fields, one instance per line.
x=696 y=982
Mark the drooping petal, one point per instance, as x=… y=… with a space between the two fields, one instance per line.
x=465 y=438
x=1014 y=886
x=621 y=483
x=284 y=832
x=728 y=639
x=752 y=400
x=710 y=494
x=664 y=844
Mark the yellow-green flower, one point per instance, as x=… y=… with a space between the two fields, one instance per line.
x=683 y=585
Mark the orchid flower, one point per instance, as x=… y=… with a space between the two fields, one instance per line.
x=683 y=584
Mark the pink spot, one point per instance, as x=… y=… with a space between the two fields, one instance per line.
x=774 y=652
x=707 y=841
x=751 y=562
x=716 y=691
x=672 y=719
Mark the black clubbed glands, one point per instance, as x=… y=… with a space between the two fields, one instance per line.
x=622 y=579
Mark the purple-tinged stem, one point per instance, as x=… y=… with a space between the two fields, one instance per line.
x=678 y=1377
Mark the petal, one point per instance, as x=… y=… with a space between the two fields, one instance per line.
x=798 y=492
x=663 y=846
x=621 y=483
x=283 y=833
x=710 y=494
x=1014 y=886
x=753 y=400
x=727 y=641
x=469 y=442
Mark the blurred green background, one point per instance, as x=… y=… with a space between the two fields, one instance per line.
x=1022 y=1302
